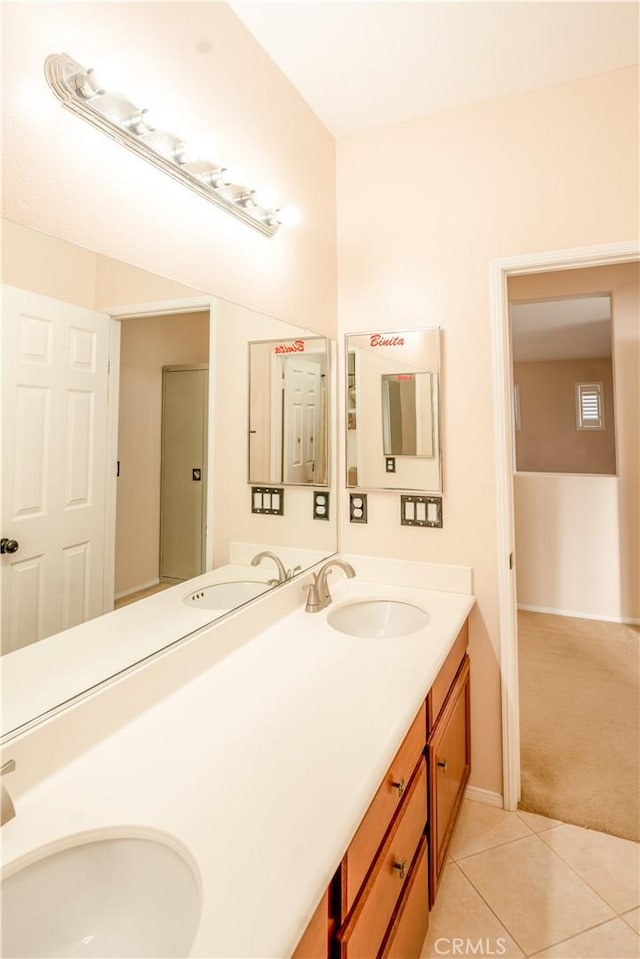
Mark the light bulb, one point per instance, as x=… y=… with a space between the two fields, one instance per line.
x=290 y=216
x=107 y=75
x=158 y=116
x=198 y=148
x=218 y=178
x=184 y=153
x=266 y=197
x=236 y=175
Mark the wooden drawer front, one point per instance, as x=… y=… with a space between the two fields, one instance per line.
x=362 y=934
x=371 y=831
x=315 y=939
x=410 y=922
x=449 y=751
x=446 y=676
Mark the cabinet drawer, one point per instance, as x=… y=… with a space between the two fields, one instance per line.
x=449 y=751
x=362 y=934
x=408 y=929
x=447 y=674
x=315 y=939
x=380 y=813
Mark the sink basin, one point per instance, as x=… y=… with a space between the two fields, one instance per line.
x=225 y=595
x=378 y=618
x=112 y=897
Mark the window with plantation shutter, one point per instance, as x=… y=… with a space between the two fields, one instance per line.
x=589 y=406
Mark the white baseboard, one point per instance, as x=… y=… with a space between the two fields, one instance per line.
x=484 y=795
x=137 y=589
x=626 y=620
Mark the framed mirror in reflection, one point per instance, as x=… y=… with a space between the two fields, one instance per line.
x=125 y=410
x=392 y=410
x=288 y=411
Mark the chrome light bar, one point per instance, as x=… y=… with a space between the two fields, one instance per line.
x=79 y=90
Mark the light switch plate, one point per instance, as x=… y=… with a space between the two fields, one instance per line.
x=268 y=500
x=321 y=504
x=421 y=511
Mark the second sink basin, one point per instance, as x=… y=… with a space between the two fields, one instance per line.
x=225 y=595
x=111 y=897
x=378 y=618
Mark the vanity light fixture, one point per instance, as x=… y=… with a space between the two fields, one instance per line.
x=92 y=94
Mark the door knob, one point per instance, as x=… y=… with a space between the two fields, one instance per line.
x=9 y=545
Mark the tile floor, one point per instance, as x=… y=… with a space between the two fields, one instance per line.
x=517 y=884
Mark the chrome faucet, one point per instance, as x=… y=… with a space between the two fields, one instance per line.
x=7 y=810
x=283 y=574
x=318 y=595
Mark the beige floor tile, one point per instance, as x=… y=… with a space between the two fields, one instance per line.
x=633 y=918
x=461 y=919
x=534 y=893
x=536 y=822
x=611 y=866
x=613 y=940
x=482 y=826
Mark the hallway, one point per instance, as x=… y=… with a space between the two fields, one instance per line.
x=580 y=721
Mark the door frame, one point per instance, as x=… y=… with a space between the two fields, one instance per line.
x=606 y=254
x=190 y=304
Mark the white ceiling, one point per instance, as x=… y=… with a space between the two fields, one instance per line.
x=569 y=329
x=365 y=64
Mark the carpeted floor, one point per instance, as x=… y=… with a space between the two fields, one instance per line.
x=580 y=721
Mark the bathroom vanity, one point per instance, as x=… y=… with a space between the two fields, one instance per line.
x=378 y=903
x=270 y=772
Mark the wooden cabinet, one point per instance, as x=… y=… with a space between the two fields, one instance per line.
x=315 y=941
x=384 y=805
x=378 y=904
x=410 y=922
x=362 y=934
x=449 y=756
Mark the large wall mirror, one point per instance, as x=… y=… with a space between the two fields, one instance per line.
x=289 y=411
x=125 y=495
x=393 y=411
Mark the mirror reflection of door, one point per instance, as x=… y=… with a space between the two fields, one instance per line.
x=146 y=559
x=183 y=477
x=302 y=419
x=288 y=401
x=55 y=385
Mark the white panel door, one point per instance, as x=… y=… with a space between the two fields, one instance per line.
x=302 y=391
x=54 y=423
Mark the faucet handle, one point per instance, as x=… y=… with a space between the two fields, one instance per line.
x=315 y=601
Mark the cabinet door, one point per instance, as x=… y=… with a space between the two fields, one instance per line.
x=373 y=827
x=410 y=923
x=315 y=939
x=362 y=934
x=449 y=750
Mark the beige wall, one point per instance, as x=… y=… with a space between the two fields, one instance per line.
x=64 y=178
x=578 y=538
x=48 y=266
x=147 y=344
x=548 y=440
x=551 y=169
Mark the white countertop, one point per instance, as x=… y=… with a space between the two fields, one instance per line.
x=40 y=676
x=260 y=770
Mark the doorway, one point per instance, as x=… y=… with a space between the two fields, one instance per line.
x=627 y=526
x=570 y=504
x=161 y=491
